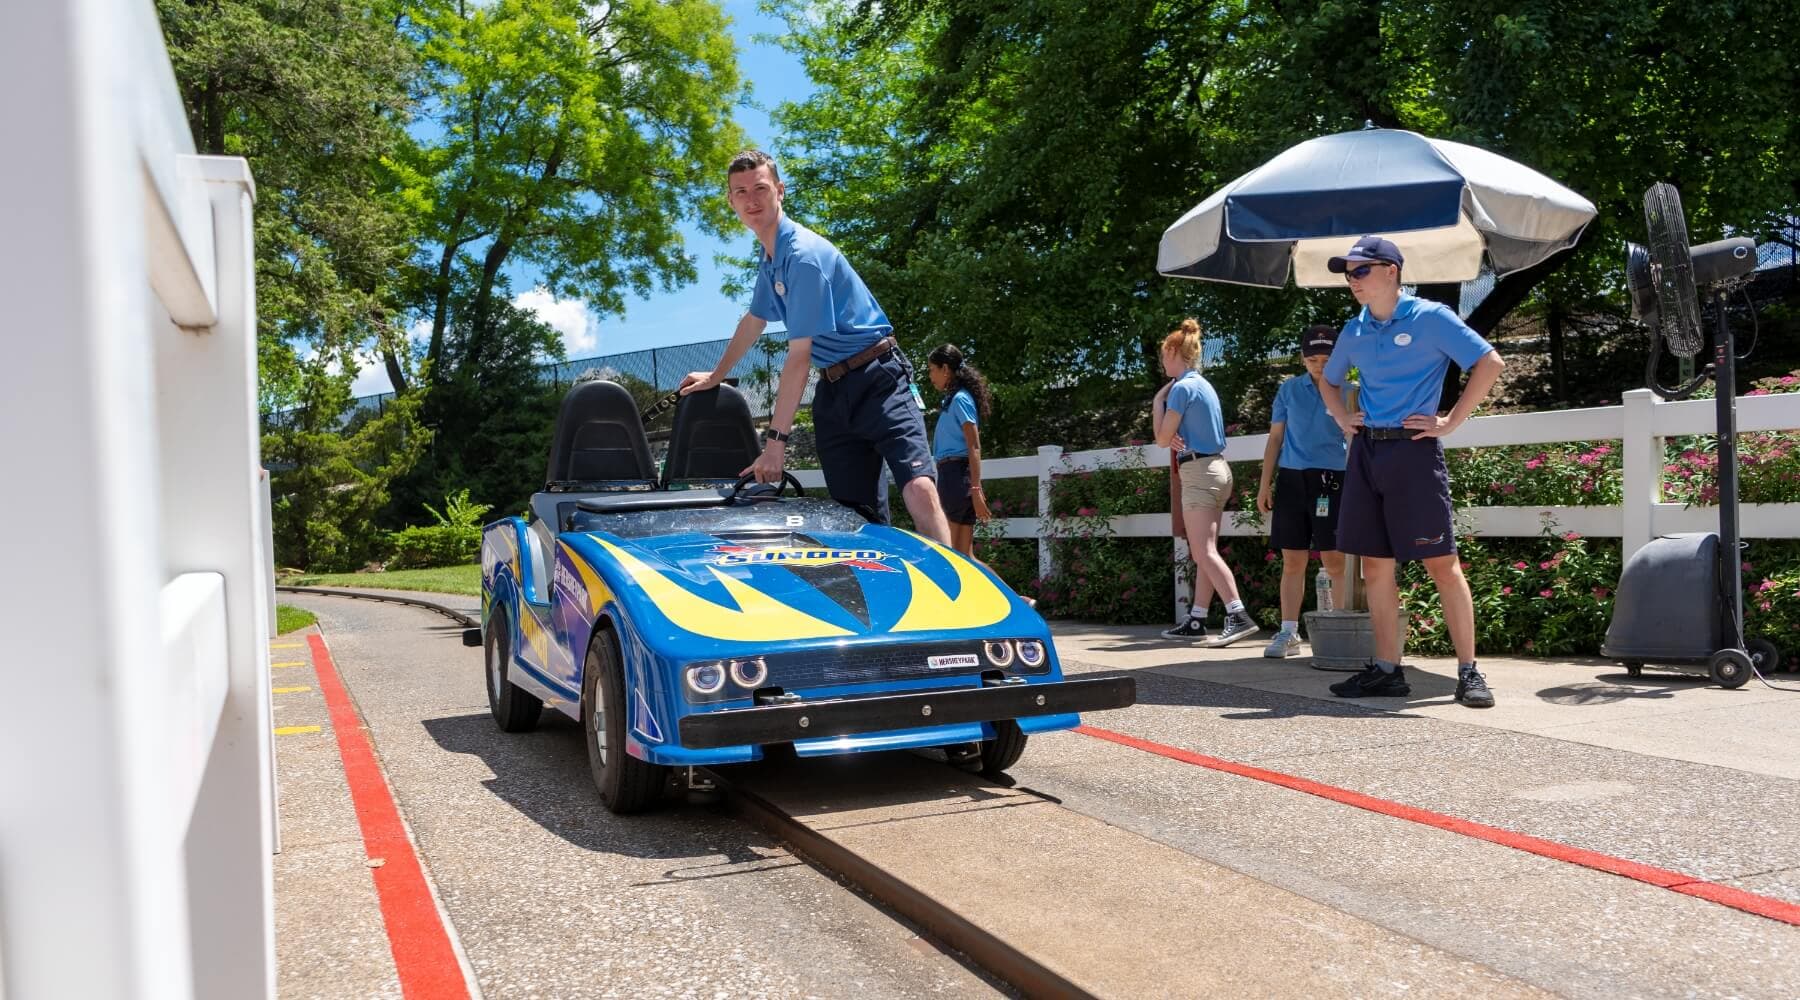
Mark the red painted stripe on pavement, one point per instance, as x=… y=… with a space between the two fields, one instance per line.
x=423 y=956
x=1737 y=899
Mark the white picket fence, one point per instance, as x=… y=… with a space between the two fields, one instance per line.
x=1641 y=424
x=137 y=795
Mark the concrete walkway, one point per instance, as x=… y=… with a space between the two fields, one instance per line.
x=1677 y=716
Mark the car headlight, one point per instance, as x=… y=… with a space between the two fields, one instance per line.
x=1031 y=653
x=749 y=673
x=999 y=652
x=706 y=678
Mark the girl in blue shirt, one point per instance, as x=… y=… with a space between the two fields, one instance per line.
x=1190 y=422
x=956 y=445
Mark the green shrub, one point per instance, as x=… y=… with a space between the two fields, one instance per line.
x=455 y=540
x=434 y=545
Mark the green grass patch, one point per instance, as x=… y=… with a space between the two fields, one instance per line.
x=442 y=580
x=289 y=618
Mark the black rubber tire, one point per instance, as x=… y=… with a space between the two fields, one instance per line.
x=1004 y=750
x=515 y=710
x=1634 y=670
x=626 y=784
x=1764 y=654
x=1730 y=668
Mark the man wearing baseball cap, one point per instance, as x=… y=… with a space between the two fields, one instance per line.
x=1396 y=502
x=1304 y=463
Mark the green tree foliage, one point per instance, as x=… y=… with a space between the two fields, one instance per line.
x=315 y=96
x=331 y=487
x=1002 y=170
x=572 y=139
x=575 y=138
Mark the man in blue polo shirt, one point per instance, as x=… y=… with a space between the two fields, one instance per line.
x=1396 y=502
x=865 y=412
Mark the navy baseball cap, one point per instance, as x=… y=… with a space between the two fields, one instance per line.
x=1368 y=250
x=1318 y=340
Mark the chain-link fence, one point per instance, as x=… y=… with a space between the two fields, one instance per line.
x=659 y=368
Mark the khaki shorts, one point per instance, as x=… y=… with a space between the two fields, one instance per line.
x=1205 y=483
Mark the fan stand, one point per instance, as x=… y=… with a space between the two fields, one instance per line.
x=1731 y=583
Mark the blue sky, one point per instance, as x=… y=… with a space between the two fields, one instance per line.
x=698 y=311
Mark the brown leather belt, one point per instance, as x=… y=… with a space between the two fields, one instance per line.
x=876 y=350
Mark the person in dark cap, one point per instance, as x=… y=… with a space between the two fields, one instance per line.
x=1396 y=496
x=1302 y=476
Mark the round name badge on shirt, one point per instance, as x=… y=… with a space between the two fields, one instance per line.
x=780 y=289
x=1400 y=339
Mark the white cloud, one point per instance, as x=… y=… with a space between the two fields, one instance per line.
x=571 y=318
x=371 y=377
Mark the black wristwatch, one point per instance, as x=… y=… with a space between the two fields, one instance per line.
x=774 y=435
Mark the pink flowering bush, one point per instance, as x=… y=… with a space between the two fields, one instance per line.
x=1573 y=474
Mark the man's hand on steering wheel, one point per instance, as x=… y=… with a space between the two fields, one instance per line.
x=769 y=465
x=747 y=489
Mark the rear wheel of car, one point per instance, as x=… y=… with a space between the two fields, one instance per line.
x=515 y=710
x=626 y=784
x=1004 y=750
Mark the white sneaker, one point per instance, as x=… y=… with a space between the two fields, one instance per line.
x=1284 y=644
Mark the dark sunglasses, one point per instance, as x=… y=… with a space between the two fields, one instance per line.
x=1359 y=273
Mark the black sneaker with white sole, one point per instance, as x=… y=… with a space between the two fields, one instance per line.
x=1373 y=683
x=1472 y=689
x=1237 y=626
x=1193 y=628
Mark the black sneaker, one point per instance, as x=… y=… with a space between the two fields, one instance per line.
x=1372 y=683
x=1193 y=628
x=1236 y=627
x=1472 y=689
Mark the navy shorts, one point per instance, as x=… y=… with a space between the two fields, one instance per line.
x=953 y=491
x=1396 y=502
x=1297 y=523
x=864 y=419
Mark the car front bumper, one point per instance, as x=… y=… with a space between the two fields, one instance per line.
x=825 y=718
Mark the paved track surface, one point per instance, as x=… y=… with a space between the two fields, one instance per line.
x=551 y=896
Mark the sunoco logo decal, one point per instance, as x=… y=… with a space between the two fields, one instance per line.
x=744 y=555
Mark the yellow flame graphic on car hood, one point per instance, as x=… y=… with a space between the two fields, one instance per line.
x=758 y=617
x=978 y=602
x=761 y=618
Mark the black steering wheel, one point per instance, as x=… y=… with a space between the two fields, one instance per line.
x=749 y=490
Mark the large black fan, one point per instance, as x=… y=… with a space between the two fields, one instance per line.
x=1680 y=599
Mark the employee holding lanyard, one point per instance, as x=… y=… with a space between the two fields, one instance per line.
x=1307 y=447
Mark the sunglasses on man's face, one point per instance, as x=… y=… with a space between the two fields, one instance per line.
x=1359 y=273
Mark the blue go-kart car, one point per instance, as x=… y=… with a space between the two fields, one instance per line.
x=691 y=618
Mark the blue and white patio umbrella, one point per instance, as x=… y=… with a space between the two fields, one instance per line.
x=1446 y=205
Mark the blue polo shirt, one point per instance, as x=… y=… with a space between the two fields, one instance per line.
x=1202 y=421
x=811 y=288
x=1310 y=439
x=947 y=440
x=1402 y=361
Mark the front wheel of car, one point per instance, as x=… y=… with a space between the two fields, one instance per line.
x=1004 y=750
x=626 y=784
x=515 y=710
